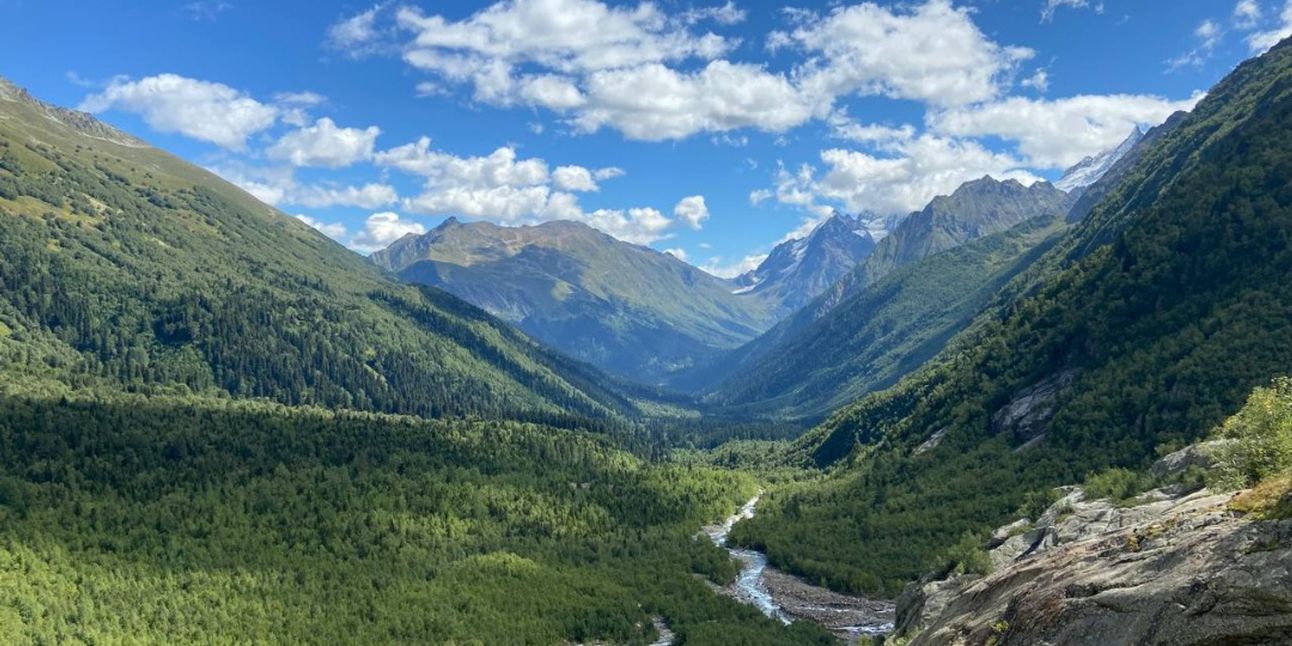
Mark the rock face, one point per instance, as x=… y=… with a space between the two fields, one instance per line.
x=1178 y=569
x=1028 y=413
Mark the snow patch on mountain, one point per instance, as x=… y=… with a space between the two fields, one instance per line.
x=1089 y=170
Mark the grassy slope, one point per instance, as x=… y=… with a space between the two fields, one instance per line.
x=1171 y=298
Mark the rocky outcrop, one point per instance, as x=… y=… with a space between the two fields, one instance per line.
x=1195 y=456
x=1175 y=569
x=1027 y=415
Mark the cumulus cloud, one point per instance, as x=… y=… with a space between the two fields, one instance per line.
x=504 y=188
x=1263 y=40
x=381 y=229
x=716 y=267
x=1059 y=133
x=334 y=230
x=678 y=253
x=1039 y=81
x=692 y=210
x=654 y=102
x=1247 y=13
x=357 y=35
x=653 y=77
x=574 y=178
x=903 y=181
x=324 y=144
x=278 y=187
x=368 y=196
x=933 y=53
x=499 y=168
x=202 y=110
x=563 y=35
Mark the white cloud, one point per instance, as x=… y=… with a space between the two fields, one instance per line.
x=716 y=267
x=1247 y=13
x=653 y=102
x=692 y=210
x=506 y=189
x=678 y=253
x=653 y=77
x=1263 y=40
x=933 y=53
x=304 y=99
x=726 y=14
x=368 y=196
x=324 y=144
x=358 y=34
x=551 y=91
x=381 y=229
x=760 y=195
x=1208 y=33
x=562 y=35
x=334 y=230
x=843 y=127
x=1039 y=81
x=638 y=225
x=1050 y=6
x=499 y=168
x=574 y=178
x=904 y=181
x=202 y=110
x=1059 y=133
x=278 y=186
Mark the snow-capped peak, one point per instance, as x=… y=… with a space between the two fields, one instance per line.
x=1091 y=169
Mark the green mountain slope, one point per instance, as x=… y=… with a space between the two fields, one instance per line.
x=872 y=339
x=120 y=262
x=625 y=308
x=975 y=209
x=1166 y=305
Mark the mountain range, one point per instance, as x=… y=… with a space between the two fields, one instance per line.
x=627 y=309
x=978 y=208
x=1133 y=335
x=1036 y=415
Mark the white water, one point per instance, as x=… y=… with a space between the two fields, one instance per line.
x=749 y=584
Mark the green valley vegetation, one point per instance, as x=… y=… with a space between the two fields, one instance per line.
x=1159 y=313
x=181 y=519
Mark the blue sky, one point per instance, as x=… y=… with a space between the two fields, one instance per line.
x=711 y=128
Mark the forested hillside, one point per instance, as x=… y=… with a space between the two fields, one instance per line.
x=978 y=208
x=1166 y=306
x=121 y=263
x=872 y=339
x=627 y=309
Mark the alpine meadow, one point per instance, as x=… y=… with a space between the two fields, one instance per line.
x=657 y=323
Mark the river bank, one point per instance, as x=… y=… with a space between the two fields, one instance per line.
x=783 y=596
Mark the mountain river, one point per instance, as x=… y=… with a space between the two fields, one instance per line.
x=788 y=598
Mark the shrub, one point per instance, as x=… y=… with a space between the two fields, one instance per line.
x=1262 y=431
x=1118 y=485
